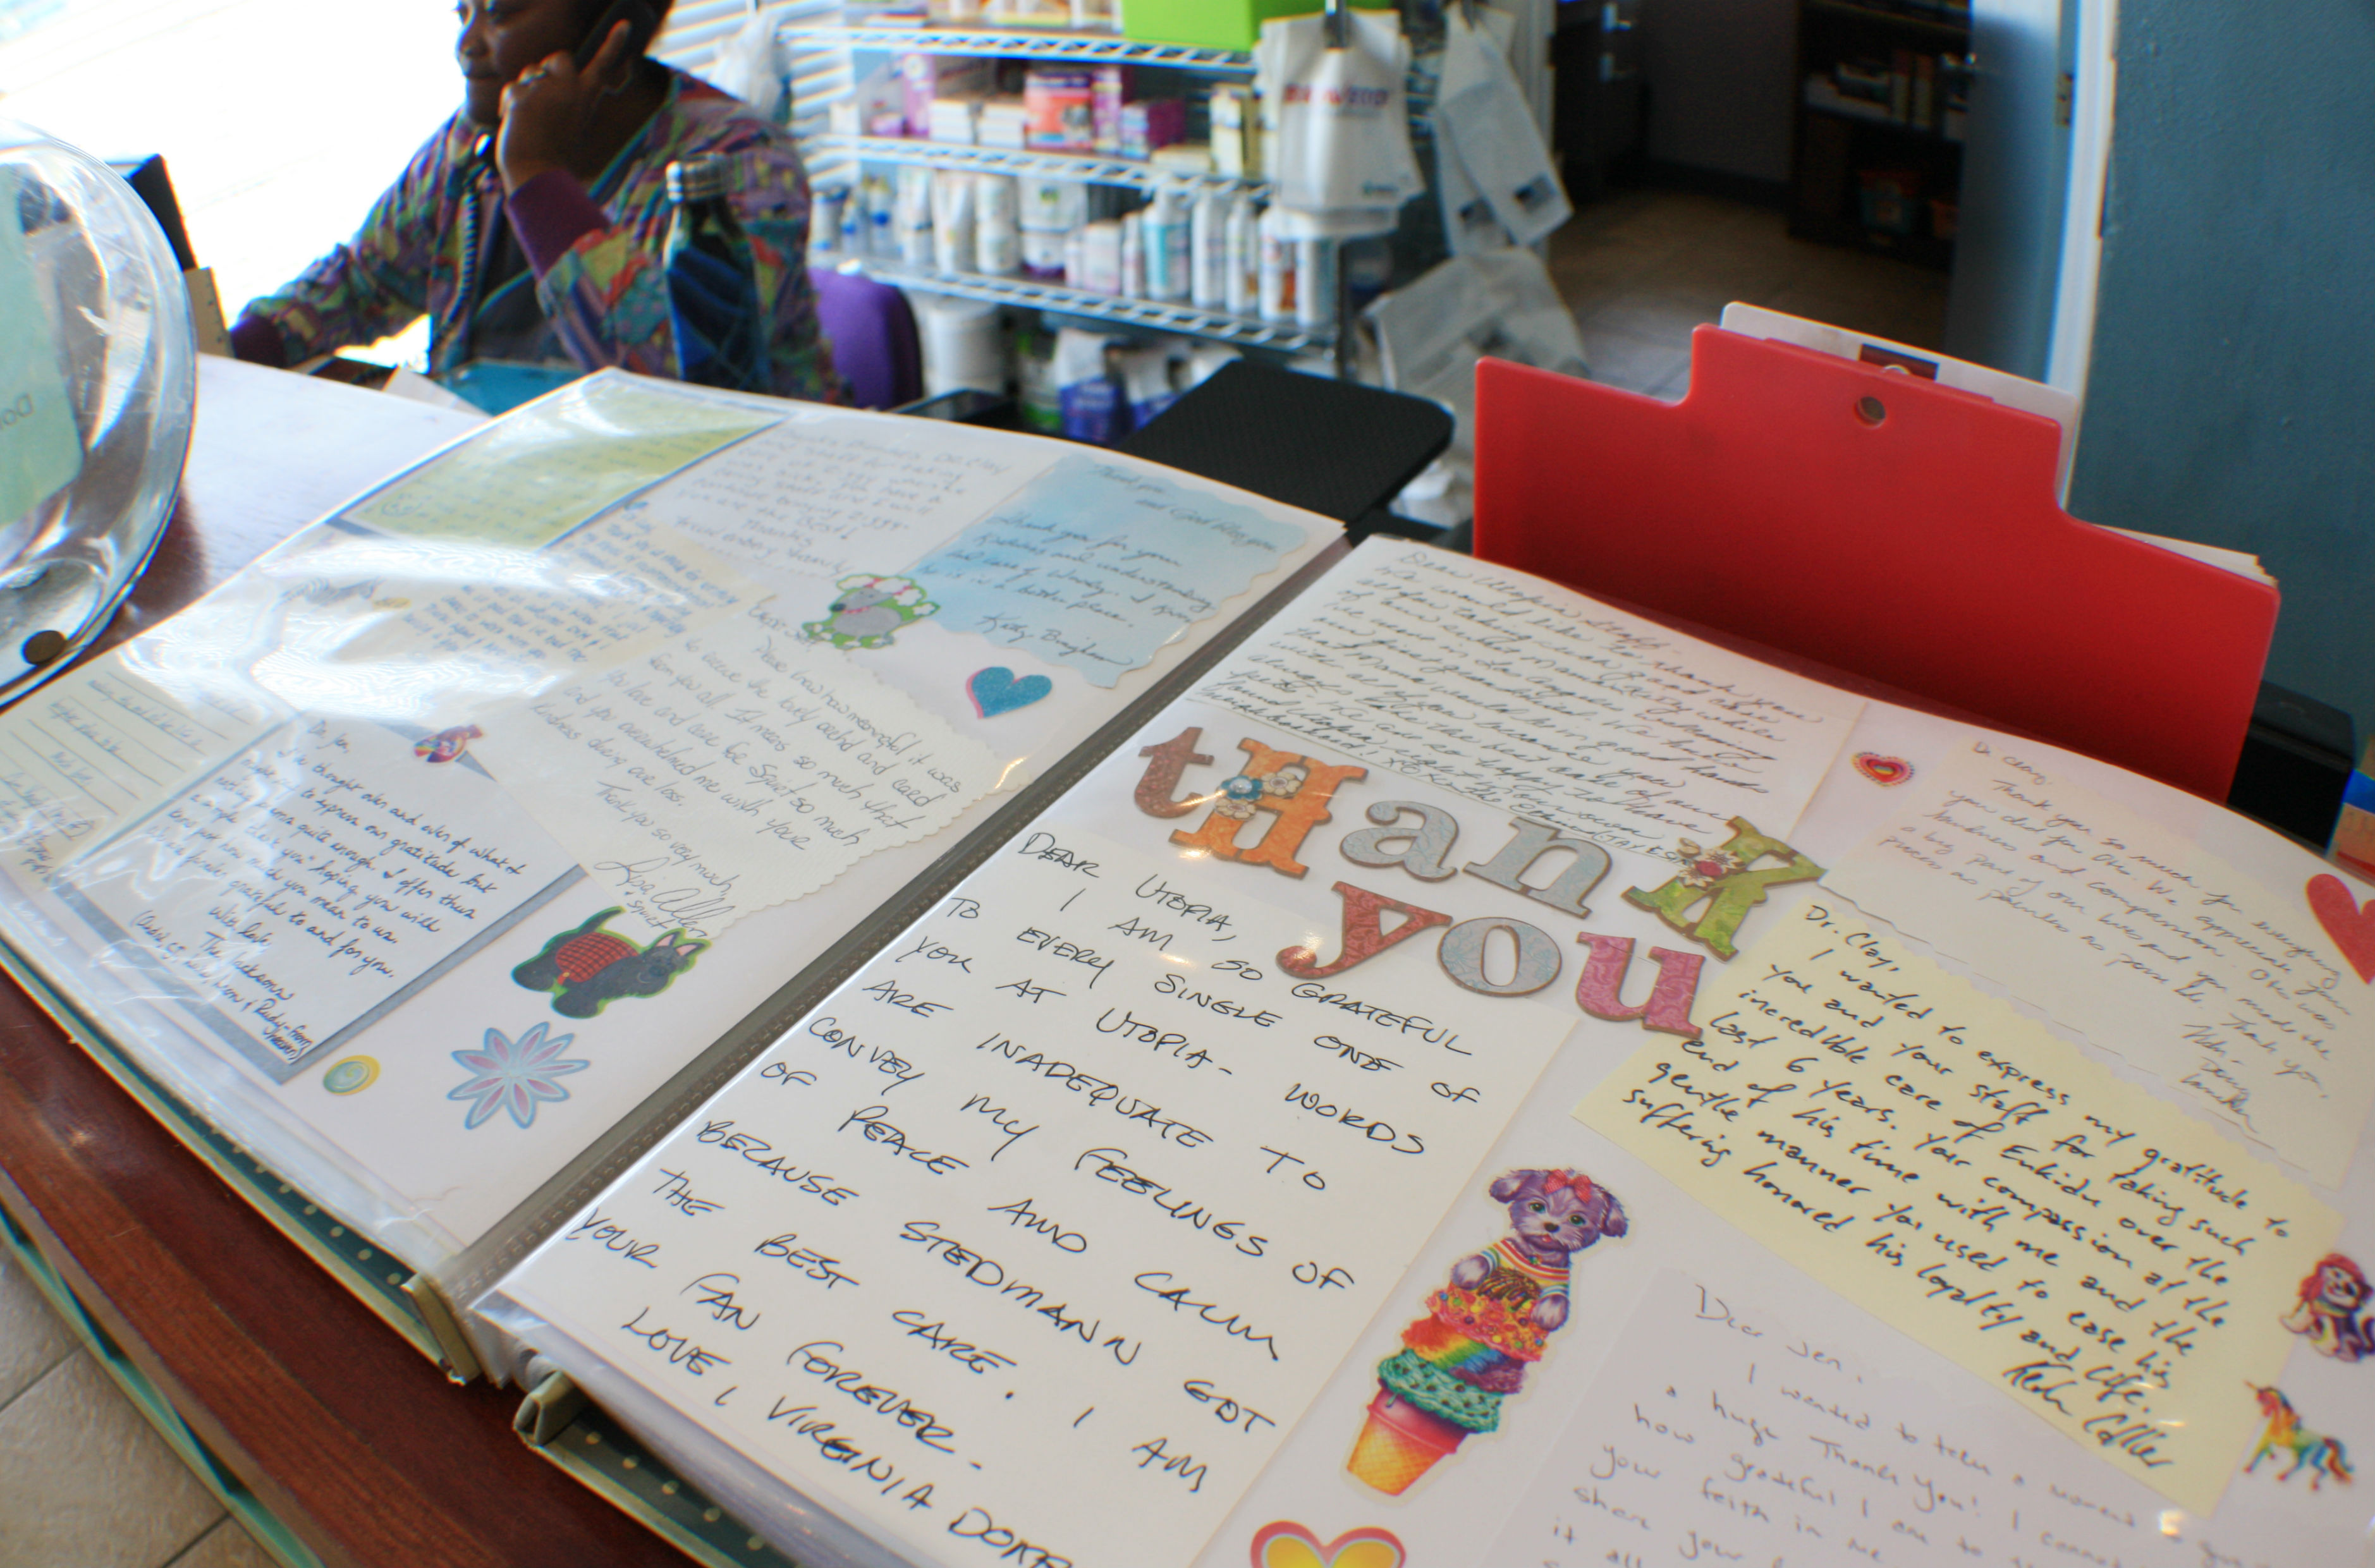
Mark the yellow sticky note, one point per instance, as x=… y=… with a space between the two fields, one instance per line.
x=537 y=472
x=2109 y=1263
x=40 y=450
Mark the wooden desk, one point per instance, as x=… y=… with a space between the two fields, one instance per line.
x=342 y=1429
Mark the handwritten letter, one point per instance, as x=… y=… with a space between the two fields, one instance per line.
x=2130 y=934
x=431 y=635
x=539 y=471
x=1052 y=1220
x=738 y=768
x=1097 y=564
x=309 y=884
x=1503 y=689
x=1949 y=1165
x=1717 y=1432
x=826 y=494
x=100 y=745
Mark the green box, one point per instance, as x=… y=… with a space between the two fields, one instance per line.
x=1215 y=24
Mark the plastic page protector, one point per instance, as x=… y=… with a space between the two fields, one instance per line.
x=39 y=449
x=532 y=475
x=2117 y=1267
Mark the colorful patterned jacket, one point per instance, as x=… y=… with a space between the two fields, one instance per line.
x=596 y=257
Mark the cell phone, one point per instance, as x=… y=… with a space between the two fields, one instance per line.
x=642 y=25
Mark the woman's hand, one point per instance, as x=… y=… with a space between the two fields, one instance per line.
x=549 y=109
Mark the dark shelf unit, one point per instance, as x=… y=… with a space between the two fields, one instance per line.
x=1877 y=157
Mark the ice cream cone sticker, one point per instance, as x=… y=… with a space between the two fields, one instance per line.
x=1483 y=1330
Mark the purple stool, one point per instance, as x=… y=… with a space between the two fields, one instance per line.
x=873 y=335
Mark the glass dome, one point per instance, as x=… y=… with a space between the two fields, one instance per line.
x=97 y=377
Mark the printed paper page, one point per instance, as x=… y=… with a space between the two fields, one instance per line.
x=41 y=449
x=539 y=471
x=1096 y=564
x=1052 y=1220
x=100 y=746
x=2115 y=1267
x=1719 y=1431
x=2127 y=932
x=739 y=768
x=311 y=883
x=826 y=494
x=1521 y=695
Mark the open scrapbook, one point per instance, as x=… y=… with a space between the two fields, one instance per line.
x=433 y=858
x=1486 y=1079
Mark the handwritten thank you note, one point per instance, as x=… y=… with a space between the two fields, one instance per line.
x=1521 y=695
x=737 y=768
x=2147 y=944
x=311 y=883
x=1097 y=564
x=1718 y=1433
x=827 y=494
x=1048 y=1225
x=2111 y=1265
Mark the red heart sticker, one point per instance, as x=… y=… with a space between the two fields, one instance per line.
x=1886 y=771
x=2348 y=921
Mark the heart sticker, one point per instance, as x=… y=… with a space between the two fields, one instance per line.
x=997 y=691
x=2348 y=921
x=1886 y=771
x=1287 y=1545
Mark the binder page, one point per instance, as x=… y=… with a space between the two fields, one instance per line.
x=1515 y=693
x=1994 y=1296
x=2137 y=936
x=1048 y=1223
x=626 y=663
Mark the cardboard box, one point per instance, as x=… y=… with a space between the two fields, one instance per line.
x=1152 y=123
x=1004 y=122
x=924 y=77
x=1061 y=104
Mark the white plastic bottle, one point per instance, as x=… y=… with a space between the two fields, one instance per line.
x=1315 y=279
x=1133 y=257
x=1243 y=265
x=954 y=220
x=1208 y=249
x=1278 y=279
x=996 y=233
x=1101 y=249
x=914 y=218
x=1167 y=246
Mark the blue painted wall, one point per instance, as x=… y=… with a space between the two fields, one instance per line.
x=2231 y=396
x=2015 y=189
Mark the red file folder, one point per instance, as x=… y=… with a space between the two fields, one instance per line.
x=1883 y=524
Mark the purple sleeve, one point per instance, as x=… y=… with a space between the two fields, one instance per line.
x=259 y=342
x=551 y=213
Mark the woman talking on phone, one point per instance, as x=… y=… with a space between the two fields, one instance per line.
x=533 y=226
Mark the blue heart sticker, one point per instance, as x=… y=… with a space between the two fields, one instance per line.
x=995 y=690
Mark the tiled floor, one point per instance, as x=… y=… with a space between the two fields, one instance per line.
x=1642 y=268
x=85 y=1482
